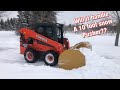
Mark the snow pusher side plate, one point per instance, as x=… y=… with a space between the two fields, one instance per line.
x=71 y=59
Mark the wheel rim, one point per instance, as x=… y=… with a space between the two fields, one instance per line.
x=29 y=56
x=49 y=58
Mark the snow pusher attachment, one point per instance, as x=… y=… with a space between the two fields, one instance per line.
x=73 y=58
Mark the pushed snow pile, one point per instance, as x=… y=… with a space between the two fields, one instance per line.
x=103 y=62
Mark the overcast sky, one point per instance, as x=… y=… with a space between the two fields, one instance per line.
x=65 y=17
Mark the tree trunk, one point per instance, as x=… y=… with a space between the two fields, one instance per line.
x=118 y=31
x=117 y=37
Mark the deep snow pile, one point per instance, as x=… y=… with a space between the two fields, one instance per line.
x=101 y=62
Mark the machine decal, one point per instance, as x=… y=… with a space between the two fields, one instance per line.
x=43 y=39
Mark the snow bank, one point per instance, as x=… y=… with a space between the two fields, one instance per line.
x=101 y=63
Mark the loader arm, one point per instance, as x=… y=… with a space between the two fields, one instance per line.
x=31 y=34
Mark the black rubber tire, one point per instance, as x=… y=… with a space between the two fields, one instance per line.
x=55 y=59
x=34 y=53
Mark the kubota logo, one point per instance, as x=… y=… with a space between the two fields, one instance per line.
x=43 y=39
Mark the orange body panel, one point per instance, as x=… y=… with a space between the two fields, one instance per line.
x=55 y=46
x=22 y=50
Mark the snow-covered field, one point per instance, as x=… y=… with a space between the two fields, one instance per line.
x=103 y=62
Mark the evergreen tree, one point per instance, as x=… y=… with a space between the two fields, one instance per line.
x=2 y=23
x=29 y=18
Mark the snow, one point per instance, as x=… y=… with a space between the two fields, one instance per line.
x=103 y=62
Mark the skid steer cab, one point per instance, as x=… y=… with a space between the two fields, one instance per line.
x=44 y=41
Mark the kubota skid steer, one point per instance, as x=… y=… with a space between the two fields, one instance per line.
x=47 y=40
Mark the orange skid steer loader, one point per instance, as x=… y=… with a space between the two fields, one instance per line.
x=47 y=41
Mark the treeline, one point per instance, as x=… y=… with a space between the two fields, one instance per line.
x=28 y=19
x=9 y=24
x=14 y=24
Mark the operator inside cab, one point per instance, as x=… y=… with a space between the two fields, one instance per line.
x=41 y=31
x=45 y=31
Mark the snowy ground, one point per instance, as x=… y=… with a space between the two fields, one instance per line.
x=103 y=62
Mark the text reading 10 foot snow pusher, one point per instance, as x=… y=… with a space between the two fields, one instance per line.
x=90 y=26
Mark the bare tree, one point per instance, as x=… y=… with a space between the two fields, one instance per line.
x=118 y=30
x=117 y=18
